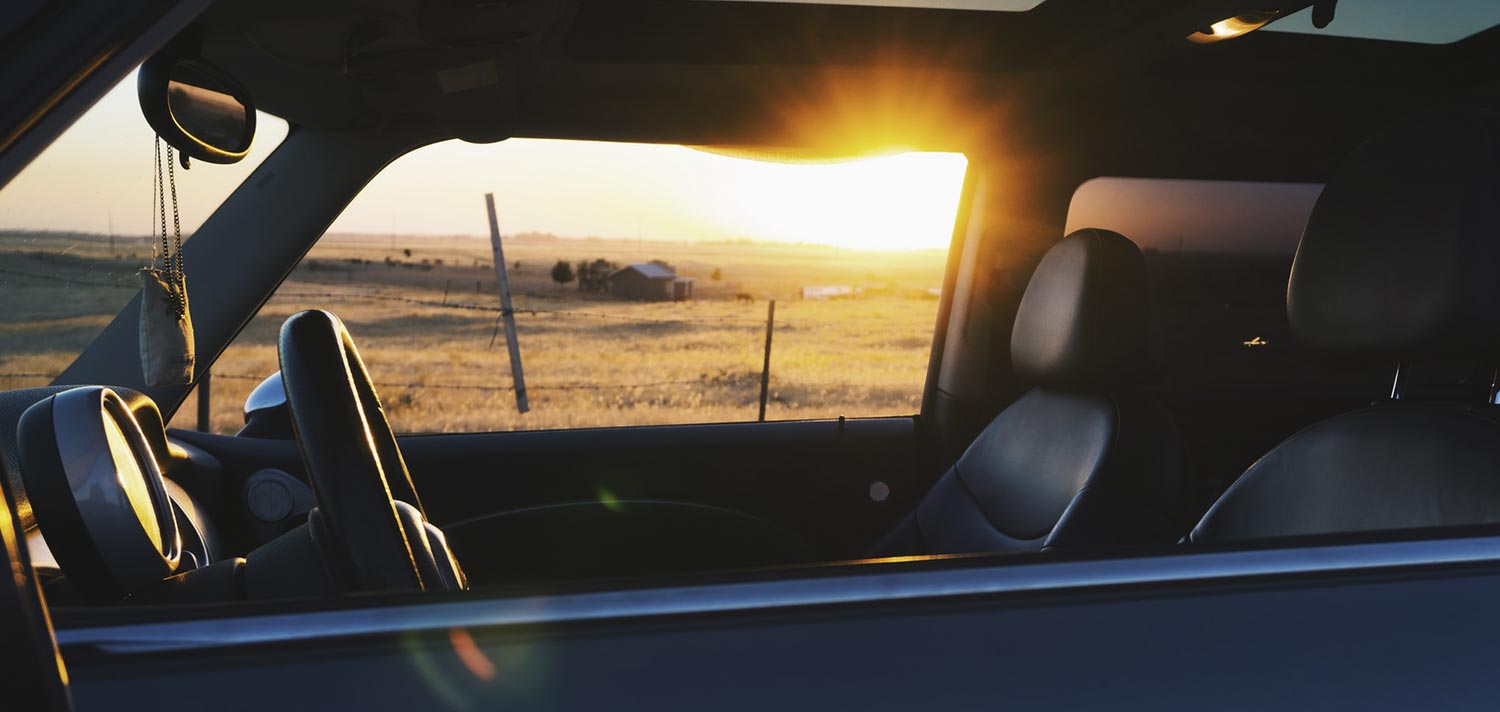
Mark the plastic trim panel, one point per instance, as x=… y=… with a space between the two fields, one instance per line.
x=866 y=585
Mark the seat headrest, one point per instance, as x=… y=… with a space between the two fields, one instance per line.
x=1084 y=320
x=1400 y=260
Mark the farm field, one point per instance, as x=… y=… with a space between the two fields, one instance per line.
x=424 y=312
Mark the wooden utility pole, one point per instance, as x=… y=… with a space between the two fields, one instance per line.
x=507 y=314
x=765 y=369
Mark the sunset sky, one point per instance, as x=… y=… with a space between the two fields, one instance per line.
x=99 y=174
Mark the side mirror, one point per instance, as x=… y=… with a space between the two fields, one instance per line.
x=196 y=107
x=266 y=412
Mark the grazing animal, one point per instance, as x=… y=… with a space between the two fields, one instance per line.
x=744 y=297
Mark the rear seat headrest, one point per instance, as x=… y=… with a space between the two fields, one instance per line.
x=1084 y=320
x=1400 y=260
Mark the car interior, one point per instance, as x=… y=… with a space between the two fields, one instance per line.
x=1086 y=397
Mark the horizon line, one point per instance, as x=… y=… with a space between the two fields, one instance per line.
x=523 y=235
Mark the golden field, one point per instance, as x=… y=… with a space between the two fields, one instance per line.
x=589 y=359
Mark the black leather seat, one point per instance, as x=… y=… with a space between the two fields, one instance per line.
x=1082 y=460
x=1400 y=263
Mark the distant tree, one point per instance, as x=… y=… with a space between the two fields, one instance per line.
x=562 y=273
x=582 y=270
x=717 y=275
x=406 y=252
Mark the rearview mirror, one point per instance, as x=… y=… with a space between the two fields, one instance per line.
x=196 y=107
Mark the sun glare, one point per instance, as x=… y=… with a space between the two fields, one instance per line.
x=904 y=201
x=900 y=202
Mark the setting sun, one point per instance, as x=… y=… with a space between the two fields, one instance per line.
x=899 y=202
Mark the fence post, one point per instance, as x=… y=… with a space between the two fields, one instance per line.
x=765 y=369
x=205 y=402
x=507 y=314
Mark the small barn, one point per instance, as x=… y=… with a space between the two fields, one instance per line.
x=650 y=282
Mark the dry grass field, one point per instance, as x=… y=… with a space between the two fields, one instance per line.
x=426 y=325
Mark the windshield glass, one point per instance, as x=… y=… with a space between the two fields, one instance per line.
x=78 y=223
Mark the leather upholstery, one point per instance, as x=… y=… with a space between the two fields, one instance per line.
x=1392 y=467
x=1066 y=465
x=1083 y=322
x=1399 y=261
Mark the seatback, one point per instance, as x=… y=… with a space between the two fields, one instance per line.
x=1083 y=459
x=1399 y=264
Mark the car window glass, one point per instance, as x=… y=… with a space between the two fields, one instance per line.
x=77 y=224
x=642 y=279
x=1219 y=255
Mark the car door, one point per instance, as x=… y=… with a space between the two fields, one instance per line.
x=556 y=504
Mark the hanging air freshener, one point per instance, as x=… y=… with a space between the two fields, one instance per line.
x=166 y=324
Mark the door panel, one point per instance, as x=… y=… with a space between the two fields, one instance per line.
x=1319 y=641
x=728 y=484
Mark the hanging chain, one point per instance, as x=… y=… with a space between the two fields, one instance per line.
x=161 y=206
x=171 y=253
x=178 y=265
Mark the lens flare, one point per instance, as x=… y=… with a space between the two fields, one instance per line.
x=471 y=656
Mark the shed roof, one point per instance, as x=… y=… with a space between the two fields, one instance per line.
x=650 y=270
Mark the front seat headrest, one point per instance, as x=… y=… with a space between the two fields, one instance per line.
x=1400 y=260
x=1084 y=320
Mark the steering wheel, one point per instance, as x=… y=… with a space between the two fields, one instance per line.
x=368 y=516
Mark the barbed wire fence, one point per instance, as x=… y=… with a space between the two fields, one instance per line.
x=725 y=321
x=132 y=285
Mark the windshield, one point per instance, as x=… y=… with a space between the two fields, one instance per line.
x=78 y=223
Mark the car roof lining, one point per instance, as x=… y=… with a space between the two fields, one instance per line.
x=1118 y=90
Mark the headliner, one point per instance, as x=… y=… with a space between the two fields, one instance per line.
x=1109 y=83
